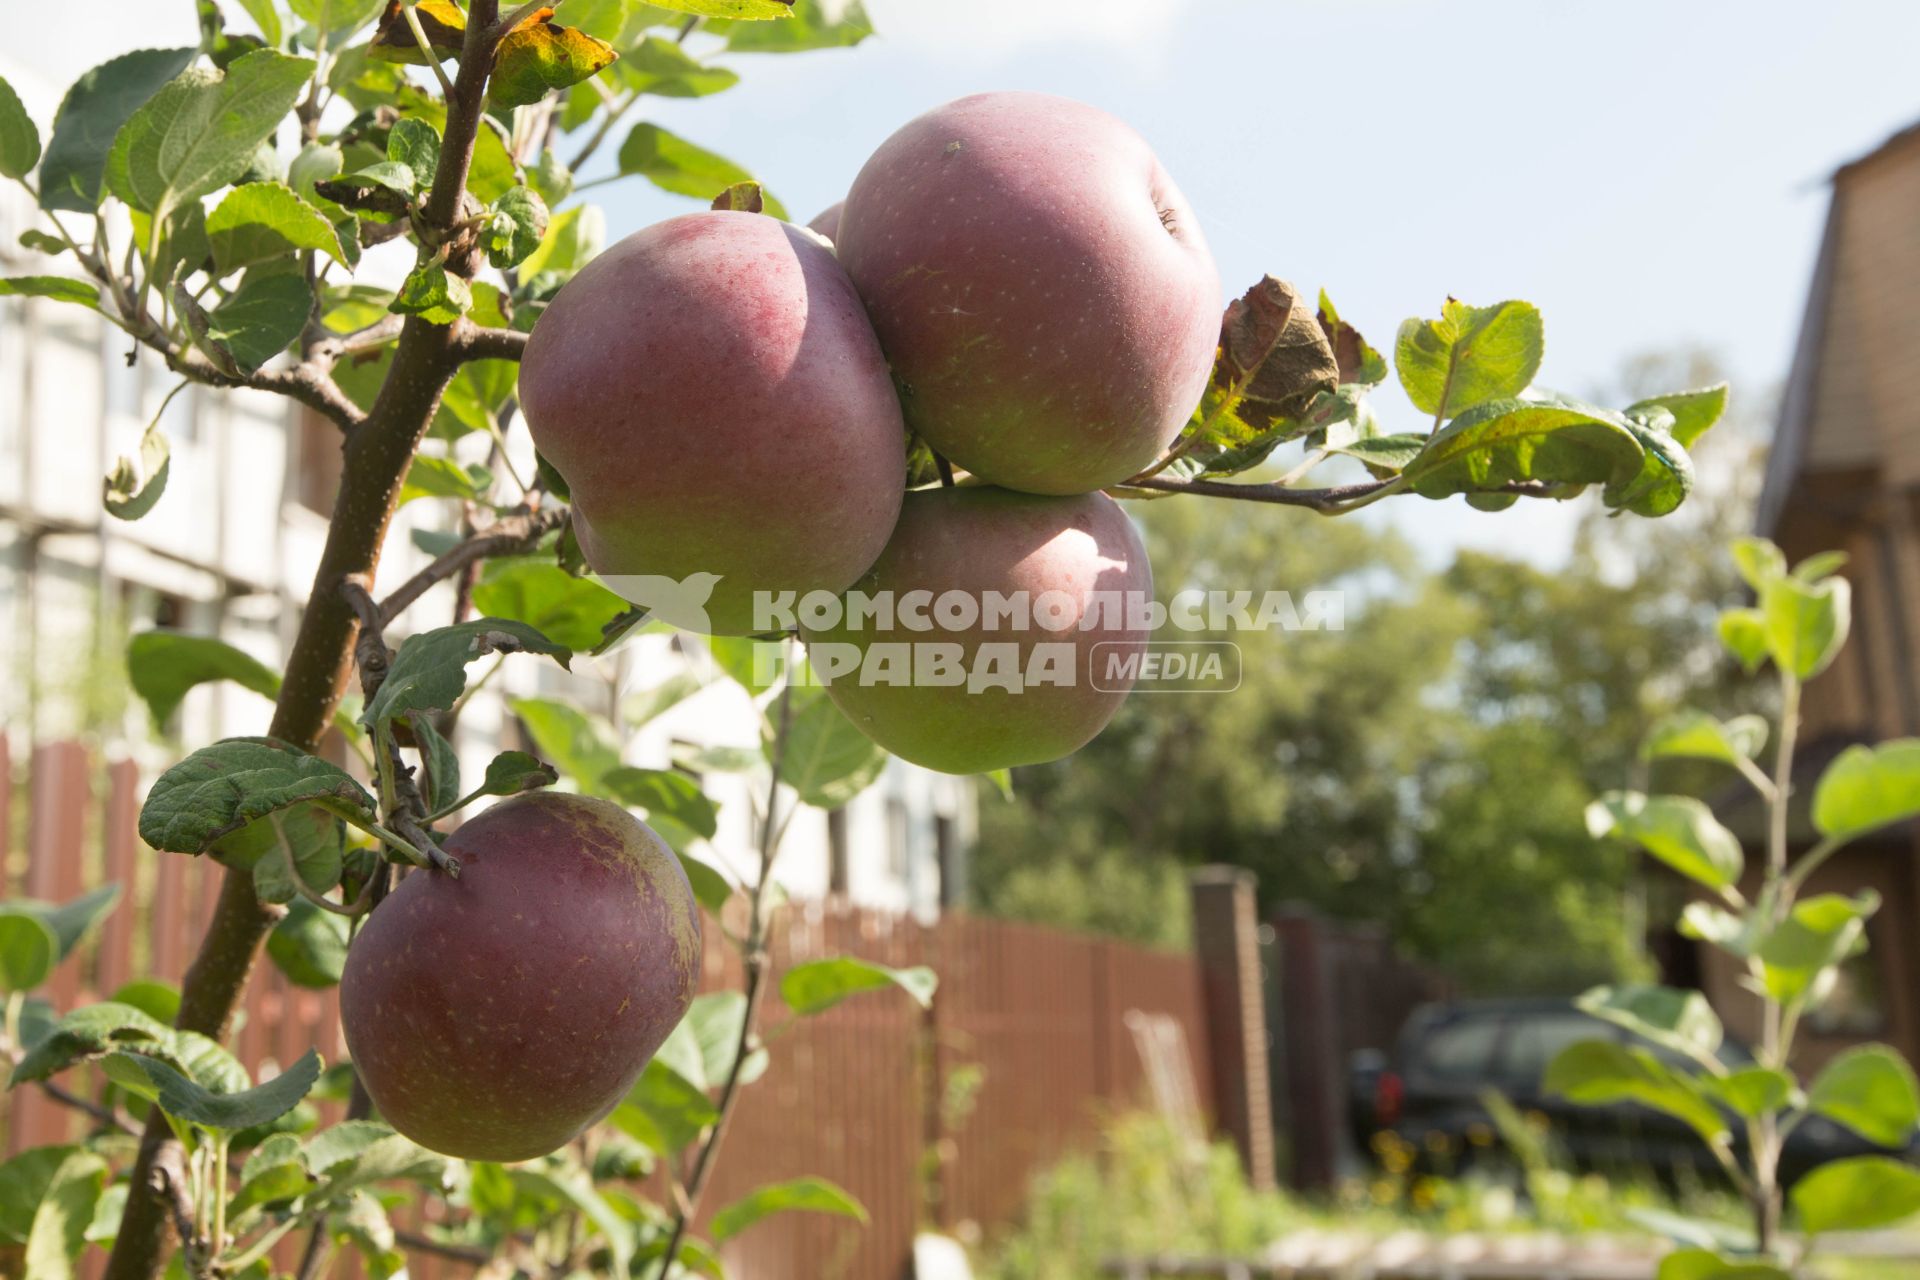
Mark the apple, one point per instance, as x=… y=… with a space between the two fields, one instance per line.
x=827 y=221
x=496 y=1015
x=1040 y=286
x=1074 y=560
x=713 y=395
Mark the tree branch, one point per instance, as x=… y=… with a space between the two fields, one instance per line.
x=509 y=536
x=1329 y=500
x=105 y=1115
x=377 y=454
x=757 y=962
x=477 y=343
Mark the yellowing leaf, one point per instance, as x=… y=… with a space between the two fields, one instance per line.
x=393 y=40
x=538 y=56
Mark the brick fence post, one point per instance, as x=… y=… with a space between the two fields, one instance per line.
x=1227 y=943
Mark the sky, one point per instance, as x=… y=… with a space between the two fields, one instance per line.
x=1650 y=173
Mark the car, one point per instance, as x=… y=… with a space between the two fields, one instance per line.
x=1429 y=1091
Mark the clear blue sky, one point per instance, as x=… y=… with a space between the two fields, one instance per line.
x=1648 y=173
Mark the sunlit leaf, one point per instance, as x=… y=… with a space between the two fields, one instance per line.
x=537 y=57
x=91 y=115
x=1470 y=355
x=1693 y=411
x=1679 y=830
x=137 y=482
x=1868 y=787
x=1698 y=735
x=820 y=984
x=433 y=293
x=801 y=1195
x=1603 y=1072
x=19 y=136
x=187 y=1100
x=59 y=288
x=1871 y=1090
x=1857 y=1195
x=664 y=68
x=265 y=220
x=674 y=164
x=1555 y=441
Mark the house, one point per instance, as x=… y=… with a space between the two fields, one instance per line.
x=1844 y=474
x=231 y=548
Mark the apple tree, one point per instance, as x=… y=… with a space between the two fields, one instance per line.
x=1010 y=328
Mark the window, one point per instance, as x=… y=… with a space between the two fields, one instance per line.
x=316 y=461
x=946 y=848
x=897 y=836
x=1461 y=1050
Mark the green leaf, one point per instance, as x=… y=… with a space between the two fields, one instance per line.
x=89 y=1032
x=27 y=950
x=433 y=293
x=571 y=611
x=664 y=1109
x=570 y=738
x=32 y=238
x=1693 y=411
x=1751 y=1091
x=163 y=665
x=1821 y=931
x=1744 y=633
x=1678 y=830
x=221 y=788
x=23 y=1184
x=573 y=238
x=1704 y=1264
x=1819 y=566
x=70 y=921
x=1759 y=561
x=303 y=837
x=1737 y=935
x=383 y=191
x=743 y=10
x=431 y=476
x=515 y=227
x=577 y=1190
x=266 y=17
x=265 y=220
x=415 y=144
x=337 y=17
x=1665 y=477
x=1699 y=736
x=1871 y=1090
x=89 y=118
x=59 y=1230
x=812 y=26
x=664 y=68
x=672 y=163
x=309 y=945
x=1602 y=1072
x=199 y=132
x=1680 y=1020
x=329 y=1152
x=1806 y=623
x=663 y=793
x=430 y=671
x=807 y=1195
x=158 y=1000
x=1470 y=355
x=1383 y=455
x=511 y=772
x=272 y=1183
x=134 y=485
x=19 y=137
x=1857 y=1195
x=1558 y=442
x=821 y=984
x=441 y=785
x=1868 y=787
x=59 y=288
x=710 y=889
x=825 y=759
x=536 y=57
x=187 y=1100
x=256 y=321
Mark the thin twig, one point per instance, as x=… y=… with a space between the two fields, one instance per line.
x=105 y=1115
x=757 y=964
x=1328 y=500
x=511 y=534
x=427 y=49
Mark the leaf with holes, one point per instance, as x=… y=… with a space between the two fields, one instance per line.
x=221 y=788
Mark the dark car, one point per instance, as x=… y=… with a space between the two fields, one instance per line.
x=1429 y=1092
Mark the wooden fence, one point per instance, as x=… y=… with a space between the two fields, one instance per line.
x=930 y=1118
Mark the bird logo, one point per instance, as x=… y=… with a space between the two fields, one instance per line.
x=679 y=602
